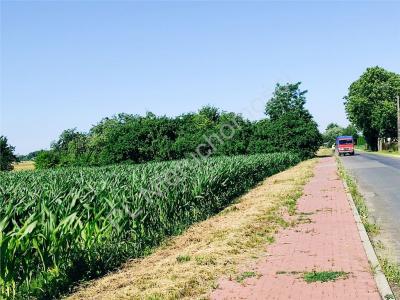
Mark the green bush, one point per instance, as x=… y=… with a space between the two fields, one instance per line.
x=47 y=159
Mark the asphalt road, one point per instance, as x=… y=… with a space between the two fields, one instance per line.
x=378 y=178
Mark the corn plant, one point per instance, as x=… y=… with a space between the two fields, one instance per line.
x=64 y=225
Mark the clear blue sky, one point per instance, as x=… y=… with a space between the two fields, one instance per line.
x=69 y=64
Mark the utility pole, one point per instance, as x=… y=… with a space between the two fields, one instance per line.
x=398 y=123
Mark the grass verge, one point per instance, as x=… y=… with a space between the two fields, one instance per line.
x=390 y=268
x=383 y=152
x=189 y=266
x=390 y=153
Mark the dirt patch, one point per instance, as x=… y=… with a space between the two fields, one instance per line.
x=188 y=266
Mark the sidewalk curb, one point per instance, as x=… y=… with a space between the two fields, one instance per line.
x=383 y=286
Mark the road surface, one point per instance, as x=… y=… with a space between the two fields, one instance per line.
x=378 y=178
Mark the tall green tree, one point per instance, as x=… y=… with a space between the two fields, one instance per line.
x=331 y=132
x=65 y=138
x=286 y=98
x=289 y=125
x=371 y=104
x=7 y=156
x=351 y=130
x=331 y=126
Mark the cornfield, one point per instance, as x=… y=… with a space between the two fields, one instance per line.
x=64 y=225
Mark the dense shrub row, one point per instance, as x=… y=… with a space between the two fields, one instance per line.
x=288 y=126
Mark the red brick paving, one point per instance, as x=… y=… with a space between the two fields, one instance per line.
x=329 y=243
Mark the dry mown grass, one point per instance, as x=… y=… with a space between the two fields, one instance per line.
x=188 y=266
x=324 y=152
x=24 y=165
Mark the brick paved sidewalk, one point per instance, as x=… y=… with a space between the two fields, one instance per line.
x=330 y=242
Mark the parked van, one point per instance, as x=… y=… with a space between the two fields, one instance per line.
x=345 y=144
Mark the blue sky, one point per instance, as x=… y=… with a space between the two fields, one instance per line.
x=69 y=64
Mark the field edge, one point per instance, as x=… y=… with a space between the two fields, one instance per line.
x=188 y=266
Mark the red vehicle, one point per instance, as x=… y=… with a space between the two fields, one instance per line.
x=345 y=144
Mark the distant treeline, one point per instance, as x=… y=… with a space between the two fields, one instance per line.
x=288 y=126
x=29 y=156
x=333 y=130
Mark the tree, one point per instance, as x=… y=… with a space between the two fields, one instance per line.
x=289 y=125
x=331 y=133
x=331 y=126
x=286 y=98
x=66 y=136
x=7 y=156
x=75 y=152
x=46 y=159
x=210 y=112
x=371 y=104
x=288 y=133
x=351 y=130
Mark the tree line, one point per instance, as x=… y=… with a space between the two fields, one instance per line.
x=288 y=126
x=127 y=138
